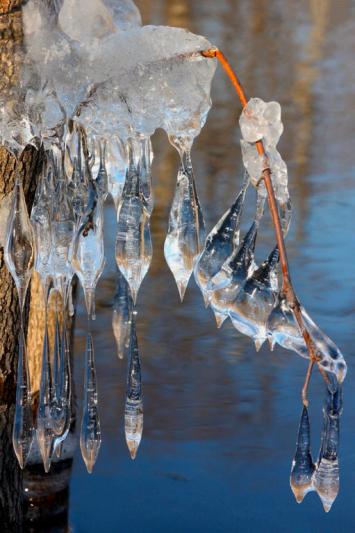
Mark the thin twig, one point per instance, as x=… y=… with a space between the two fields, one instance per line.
x=306 y=383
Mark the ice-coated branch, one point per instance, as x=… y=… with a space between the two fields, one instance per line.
x=287 y=290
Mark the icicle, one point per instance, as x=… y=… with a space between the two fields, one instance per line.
x=122 y=315
x=19 y=248
x=134 y=404
x=63 y=394
x=87 y=258
x=186 y=232
x=90 y=435
x=226 y=284
x=133 y=241
x=19 y=254
x=220 y=243
x=23 y=429
x=326 y=476
x=302 y=465
x=255 y=300
x=63 y=232
x=45 y=420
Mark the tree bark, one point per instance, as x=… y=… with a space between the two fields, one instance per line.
x=11 y=38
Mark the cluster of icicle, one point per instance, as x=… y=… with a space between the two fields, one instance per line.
x=62 y=237
x=249 y=294
x=65 y=237
x=322 y=477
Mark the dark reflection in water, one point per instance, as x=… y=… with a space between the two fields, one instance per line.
x=220 y=419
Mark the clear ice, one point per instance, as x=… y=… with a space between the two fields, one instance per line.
x=302 y=469
x=255 y=300
x=186 y=232
x=87 y=257
x=226 y=284
x=20 y=254
x=220 y=244
x=326 y=475
x=133 y=241
x=133 y=414
x=45 y=421
x=284 y=330
x=90 y=435
x=122 y=315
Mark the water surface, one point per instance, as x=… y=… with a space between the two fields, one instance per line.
x=220 y=420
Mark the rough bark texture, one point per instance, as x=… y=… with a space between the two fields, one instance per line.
x=10 y=474
x=10 y=6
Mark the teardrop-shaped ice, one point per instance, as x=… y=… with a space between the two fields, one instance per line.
x=90 y=435
x=255 y=300
x=283 y=329
x=134 y=405
x=19 y=250
x=220 y=244
x=122 y=315
x=226 y=284
x=45 y=421
x=326 y=475
x=186 y=232
x=133 y=241
x=302 y=464
x=23 y=429
x=88 y=259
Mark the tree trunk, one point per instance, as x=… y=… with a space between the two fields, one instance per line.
x=11 y=37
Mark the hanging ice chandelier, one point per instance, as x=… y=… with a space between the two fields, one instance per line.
x=94 y=88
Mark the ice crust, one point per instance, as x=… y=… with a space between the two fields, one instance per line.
x=91 y=59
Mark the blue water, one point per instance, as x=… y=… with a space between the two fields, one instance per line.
x=220 y=420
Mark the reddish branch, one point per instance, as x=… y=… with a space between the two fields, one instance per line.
x=287 y=289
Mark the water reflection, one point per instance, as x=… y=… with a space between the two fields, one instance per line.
x=220 y=419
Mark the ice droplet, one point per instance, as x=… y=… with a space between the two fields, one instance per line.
x=326 y=475
x=186 y=232
x=302 y=465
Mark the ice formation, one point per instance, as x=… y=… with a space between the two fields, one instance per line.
x=94 y=87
